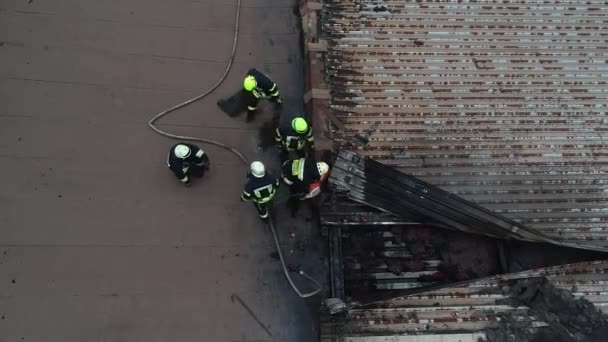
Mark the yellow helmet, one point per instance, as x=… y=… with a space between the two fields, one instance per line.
x=249 y=83
x=299 y=125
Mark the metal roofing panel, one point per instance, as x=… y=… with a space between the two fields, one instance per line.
x=385 y=188
x=417 y=338
x=502 y=103
x=469 y=308
x=338 y=210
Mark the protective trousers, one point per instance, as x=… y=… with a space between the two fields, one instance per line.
x=263 y=209
x=197 y=170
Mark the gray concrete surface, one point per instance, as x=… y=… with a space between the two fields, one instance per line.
x=98 y=240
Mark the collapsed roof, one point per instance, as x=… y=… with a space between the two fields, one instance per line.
x=385 y=188
x=523 y=304
x=501 y=103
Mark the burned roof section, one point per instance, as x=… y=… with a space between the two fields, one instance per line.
x=529 y=305
x=338 y=210
x=385 y=188
x=375 y=263
x=501 y=103
x=408 y=257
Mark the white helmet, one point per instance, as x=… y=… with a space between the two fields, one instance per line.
x=257 y=169
x=323 y=168
x=182 y=151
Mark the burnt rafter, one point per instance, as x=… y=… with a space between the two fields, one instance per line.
x=385 y=188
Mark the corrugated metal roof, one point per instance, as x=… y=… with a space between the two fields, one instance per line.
x=502 y=103
x=385 y=188
x=464 y=312
x=338 y=210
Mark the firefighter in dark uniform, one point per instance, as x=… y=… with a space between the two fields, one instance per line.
x=294 y=134
x=260 y=189
x=299 y=174
x=187 y=160
x=258 y=86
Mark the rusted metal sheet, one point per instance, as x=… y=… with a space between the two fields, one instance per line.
x=338 y=210
x=383 y=187
x=464 y=312
x=501 y=103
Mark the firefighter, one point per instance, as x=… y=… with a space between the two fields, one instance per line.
x=259 y=86
x=187 y=160
x=301 y=173
x=294 y=134
x=260 y=189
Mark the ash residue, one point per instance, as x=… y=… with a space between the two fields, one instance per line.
x=462 y=256
x=523 y=256
x=569 y=319
x=266 y=132
x=412 y=249
x=514 y=330
x=235 y=105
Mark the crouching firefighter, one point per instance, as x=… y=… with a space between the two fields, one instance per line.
x=260 y=189
x=294 y=135
x=187 y=160
x=259 y=87
x=304 y=177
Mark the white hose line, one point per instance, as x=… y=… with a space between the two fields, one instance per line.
x=203 y=95
x=229 y=148
x=286 y=272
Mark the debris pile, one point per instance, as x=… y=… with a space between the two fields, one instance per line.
x=414 y=256
x=568 y=319
x=405 y=257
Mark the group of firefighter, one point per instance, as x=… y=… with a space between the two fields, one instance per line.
x=294 y=139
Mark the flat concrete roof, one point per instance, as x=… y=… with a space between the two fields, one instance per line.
x=98 y=240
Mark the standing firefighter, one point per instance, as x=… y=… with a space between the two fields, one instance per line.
x=302 y=175
x=187 y=160
x=259 y=86
x=260 y=189
x=294 y=135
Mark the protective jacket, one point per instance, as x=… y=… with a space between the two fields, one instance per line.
x=260 y=190
x=290 y=140
x=197 y=159
x=299 y=174
x=265 y=89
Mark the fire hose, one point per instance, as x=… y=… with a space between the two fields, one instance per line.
x=237 y=153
